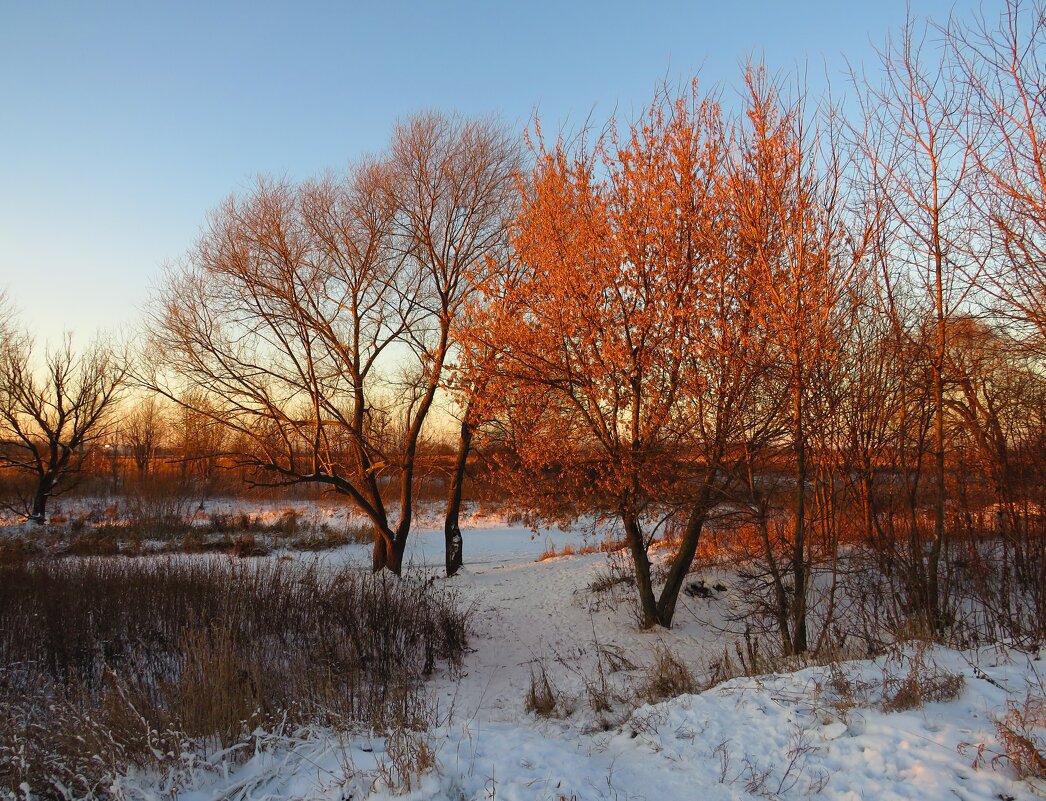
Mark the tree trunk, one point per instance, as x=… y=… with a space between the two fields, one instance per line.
x=38 y=511
x=867 y=488
x=451 y=526
x=666 y=604
x=634 y=536
x=799 y=554
x=388 y=553
x=933 y=607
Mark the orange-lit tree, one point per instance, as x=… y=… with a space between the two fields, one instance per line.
x=625 y=337
x=786 y=198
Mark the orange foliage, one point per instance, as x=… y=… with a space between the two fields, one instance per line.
x=627 y=345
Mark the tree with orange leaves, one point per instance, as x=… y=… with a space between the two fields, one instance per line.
x=786 y=197
x=627 y=345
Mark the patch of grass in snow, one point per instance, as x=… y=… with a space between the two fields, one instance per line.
x=668 y=677
x=924 y=682
x=1022 y=734
x=542 y=698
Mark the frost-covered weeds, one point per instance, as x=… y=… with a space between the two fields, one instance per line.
x=113 y=664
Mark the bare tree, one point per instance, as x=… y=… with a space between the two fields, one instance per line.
x=993 y=387
x=50 y=417
x=315 y=320
x=915 y=138
x=144 y=431
x=1001 y=65
x=454 y=190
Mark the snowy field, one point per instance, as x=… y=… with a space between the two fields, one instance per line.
x=820 y=732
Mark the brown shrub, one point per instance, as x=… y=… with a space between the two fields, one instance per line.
x=541 y=696
x=924 y=683
x=668 y=677
x=103 y=541
x=1022 y=734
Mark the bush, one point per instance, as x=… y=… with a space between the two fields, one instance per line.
x=668 y=677
x=328 y=538
x=541 y=696
x=1022 y=734
x=109 y=663
x=924 y=683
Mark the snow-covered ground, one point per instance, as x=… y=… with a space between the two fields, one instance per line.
x=816 y=733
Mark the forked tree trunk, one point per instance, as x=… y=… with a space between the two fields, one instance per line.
x=388 y=552
x=684 y=556
x=654 y=610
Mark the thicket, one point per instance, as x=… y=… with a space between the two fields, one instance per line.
x=112 y=664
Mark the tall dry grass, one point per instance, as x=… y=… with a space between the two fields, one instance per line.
x=111 y=663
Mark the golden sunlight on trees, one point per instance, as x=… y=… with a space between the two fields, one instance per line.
x=316 y=320
x=628 y=346
x=786 y=195
x=766 y=329
x=1000 y=67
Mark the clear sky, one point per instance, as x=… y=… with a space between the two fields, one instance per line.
x=123 y=123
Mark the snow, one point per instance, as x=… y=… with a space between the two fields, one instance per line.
x=769 y=737
x=790 y=736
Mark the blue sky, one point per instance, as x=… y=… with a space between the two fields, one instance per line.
x=123 y=123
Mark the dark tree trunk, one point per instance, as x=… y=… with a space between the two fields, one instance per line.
x=799 y=556
x=641 y=562
x=388 y=552
x=451 y=527
x=666 y=604
x=38 y=510
x=933 y=590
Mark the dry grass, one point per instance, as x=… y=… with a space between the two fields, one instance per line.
x=109 y=663
x=569 y=549
x=147 y=525
x=1022 y=735
x=542 y=698
x=668 y=677
x=408 y=756
x=326 y=538
x=924 y=682
x=14 y=551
